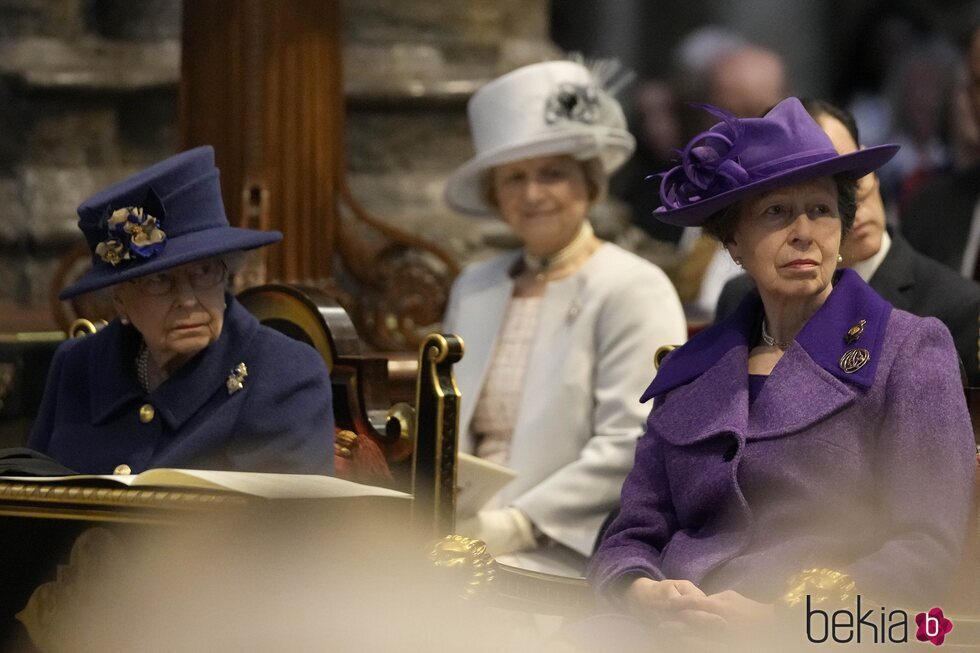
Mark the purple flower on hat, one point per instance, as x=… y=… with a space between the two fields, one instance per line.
x=133 y=232
x=709 y=164
x=577 y=102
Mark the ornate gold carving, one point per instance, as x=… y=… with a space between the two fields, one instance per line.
x=344 y=441
x=115 y=504
x=466 y=557
x=400 y=422
x=82 y=327
x=824 y=586
x=437 y=412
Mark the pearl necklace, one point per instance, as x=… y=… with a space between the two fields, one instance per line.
x=540 y=265
x=142 y=367
x=772 y=342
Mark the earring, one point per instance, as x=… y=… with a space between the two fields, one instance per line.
x=737 y=260
x=840 y=259
x=123 y=318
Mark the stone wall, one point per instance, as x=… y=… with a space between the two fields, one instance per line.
x=88 y=95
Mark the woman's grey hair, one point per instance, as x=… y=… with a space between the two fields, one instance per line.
x=596 y=180
x=721 y=225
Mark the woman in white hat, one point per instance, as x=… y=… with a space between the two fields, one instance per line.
x=561 y=335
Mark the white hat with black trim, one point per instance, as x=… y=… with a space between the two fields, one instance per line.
x=544 y=109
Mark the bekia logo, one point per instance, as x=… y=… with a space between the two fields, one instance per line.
x=933 y=626
x=875 y=625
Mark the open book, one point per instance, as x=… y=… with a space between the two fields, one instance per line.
x=268 y=486
x=477 y=481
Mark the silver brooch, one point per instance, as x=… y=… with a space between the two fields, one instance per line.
x=236 y=378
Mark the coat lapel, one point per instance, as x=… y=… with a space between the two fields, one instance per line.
x=721 y=395
x=481 y=314
x=560 y=306
x=808 y=384
x=185 y=393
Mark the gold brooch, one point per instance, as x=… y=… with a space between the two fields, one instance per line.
x=854 y=359
x=855 y=332
x=236 y=378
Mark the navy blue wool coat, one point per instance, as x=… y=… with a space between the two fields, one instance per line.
x=280 y=421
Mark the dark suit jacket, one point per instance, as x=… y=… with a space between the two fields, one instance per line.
x=937 y=220
x=913 y=283
x=280 y=421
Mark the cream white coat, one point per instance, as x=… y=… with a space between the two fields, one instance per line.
x=590 y=360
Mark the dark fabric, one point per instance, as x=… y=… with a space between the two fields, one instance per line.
x=824 y=470
x=21 y=461
x=937 y=220
x=740 y=157
x=281 y=421
x=756 y=381
x=913 y=283
x=183 y=193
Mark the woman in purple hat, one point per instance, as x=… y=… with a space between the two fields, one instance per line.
x=815 y=446
x=185 y=377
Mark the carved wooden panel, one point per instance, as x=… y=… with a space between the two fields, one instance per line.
x=261 y=81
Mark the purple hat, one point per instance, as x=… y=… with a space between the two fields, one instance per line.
x=165 y=216
x=741 y=157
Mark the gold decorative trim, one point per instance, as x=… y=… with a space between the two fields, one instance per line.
x=467 y=557
x=73 y=502
x=82 y=327
x=823 y=586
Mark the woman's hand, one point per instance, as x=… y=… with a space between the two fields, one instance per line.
x=647 y=598
x=682 y=612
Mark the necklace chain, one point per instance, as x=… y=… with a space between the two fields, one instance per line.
x=142 y=367
x=770 y=341
x=540 y=265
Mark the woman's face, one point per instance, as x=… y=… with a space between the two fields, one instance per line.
x=544 y=200
x=179 y=311
x=789 y=239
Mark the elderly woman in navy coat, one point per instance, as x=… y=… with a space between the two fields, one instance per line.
x=817 y=442
x=185 y=377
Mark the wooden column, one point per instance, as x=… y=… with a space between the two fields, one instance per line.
x=261 y=81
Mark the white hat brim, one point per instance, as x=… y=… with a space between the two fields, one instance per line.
x=612 y=146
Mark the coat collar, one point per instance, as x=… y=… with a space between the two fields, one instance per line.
x=113 y=375
x=806 y=385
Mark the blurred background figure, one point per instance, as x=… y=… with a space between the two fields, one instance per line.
x=721 y=68
x=747 y=81
x=919 y=89
x=943 y=219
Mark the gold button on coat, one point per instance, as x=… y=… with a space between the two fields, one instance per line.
x=147 y=413
x=122 y=470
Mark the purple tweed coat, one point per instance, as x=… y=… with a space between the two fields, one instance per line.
x=869 y=473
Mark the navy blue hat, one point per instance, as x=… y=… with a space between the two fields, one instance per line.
x=165 y=216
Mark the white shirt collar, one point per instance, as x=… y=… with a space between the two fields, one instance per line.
x=867 y=268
